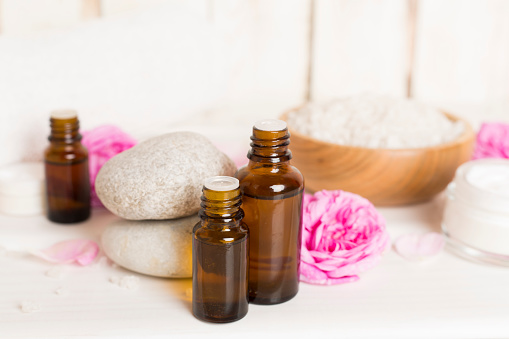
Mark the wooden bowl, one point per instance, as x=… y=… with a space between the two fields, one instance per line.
x=387 y=177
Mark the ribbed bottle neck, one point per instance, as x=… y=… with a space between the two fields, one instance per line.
x=269 y=146
x=221 y=206
x=65 y=130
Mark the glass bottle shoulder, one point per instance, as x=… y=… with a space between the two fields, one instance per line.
x=220 y=234
x=269 y=179
x=65 y=153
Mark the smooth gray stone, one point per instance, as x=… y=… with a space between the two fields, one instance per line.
x=161 y=178
x=160 y=248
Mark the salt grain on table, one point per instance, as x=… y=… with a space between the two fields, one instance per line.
x=29 y=307
x=61 y=291
x=129 y=282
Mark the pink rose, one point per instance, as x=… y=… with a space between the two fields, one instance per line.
x=343 y=235
x=103 y=143
x=492 y=141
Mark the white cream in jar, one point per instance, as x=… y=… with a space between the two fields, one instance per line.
x=476 y=216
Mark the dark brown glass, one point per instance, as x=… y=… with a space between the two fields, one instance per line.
x=272 y=203
x=220 y=258
x=67 y=176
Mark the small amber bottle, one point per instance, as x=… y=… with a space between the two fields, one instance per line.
x=220 y=254
x=272 y=202
x=66 y=169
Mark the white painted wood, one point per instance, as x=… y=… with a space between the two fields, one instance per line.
x=26 y=16
x=263 y=50
x=1 y=16
x=358 y=46
x=113 y=7
x=462 y=52
x=137 y=71
x=444 y=298
x=90 y=9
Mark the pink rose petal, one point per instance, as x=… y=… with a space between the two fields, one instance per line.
x=65 y=252
x=312 y=275
x=342 y=236
x=419 y=246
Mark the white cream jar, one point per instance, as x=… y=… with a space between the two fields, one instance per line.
x=22 y=189
x=476 y=216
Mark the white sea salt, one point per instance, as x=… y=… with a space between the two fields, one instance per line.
x=375 y=122
x=129 y=282
x=29 y=307
x=61 y=291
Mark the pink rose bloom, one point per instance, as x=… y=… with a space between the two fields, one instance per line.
x=103 y=143
x=343 y=235
x=492 y=141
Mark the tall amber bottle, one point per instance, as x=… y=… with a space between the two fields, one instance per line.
x=66 y=169
x=272 y=202
x=220 y=254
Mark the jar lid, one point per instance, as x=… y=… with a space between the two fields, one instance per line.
x=490 y=175
x=483 y=183
x=22 y=179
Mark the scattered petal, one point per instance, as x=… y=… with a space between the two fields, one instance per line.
x=29 y=307
x=80 y=251
x=419 y=246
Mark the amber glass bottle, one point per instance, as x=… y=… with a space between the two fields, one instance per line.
x=220 y=254
x=272 y=202
x=66 y=168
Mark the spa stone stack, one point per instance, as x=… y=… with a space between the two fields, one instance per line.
x=156 y=187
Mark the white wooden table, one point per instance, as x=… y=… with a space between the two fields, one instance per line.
x=447 y=297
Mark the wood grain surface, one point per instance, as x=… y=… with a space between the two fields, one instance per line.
x=386 y=177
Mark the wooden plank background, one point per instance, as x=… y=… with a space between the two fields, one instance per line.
x=438 y=51
x=267 y=55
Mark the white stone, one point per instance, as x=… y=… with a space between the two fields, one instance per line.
x=161 y=178
x=158 y=248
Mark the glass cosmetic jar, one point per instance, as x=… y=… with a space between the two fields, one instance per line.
x=476 y=216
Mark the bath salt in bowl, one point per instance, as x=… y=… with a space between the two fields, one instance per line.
x=375 y=122
x=387 y=163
